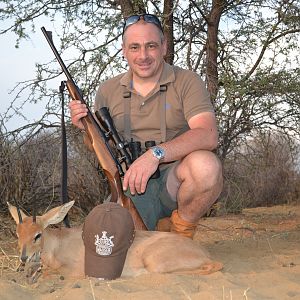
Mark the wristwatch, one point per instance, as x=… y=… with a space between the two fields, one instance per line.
x=158 y=152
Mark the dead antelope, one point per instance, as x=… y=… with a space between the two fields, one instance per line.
x=62 y=248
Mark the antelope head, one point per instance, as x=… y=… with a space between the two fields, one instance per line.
x=30 y=229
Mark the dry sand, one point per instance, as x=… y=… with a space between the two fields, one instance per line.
x=260 y=250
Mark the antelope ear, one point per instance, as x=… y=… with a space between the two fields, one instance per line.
x=14 y=213
x=55 y=215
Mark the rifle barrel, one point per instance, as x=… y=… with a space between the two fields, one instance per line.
x=48 y=37
x=76 y=94
x=50 y=42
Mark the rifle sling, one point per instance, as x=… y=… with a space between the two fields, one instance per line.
x=64 y=155
x=127 y=112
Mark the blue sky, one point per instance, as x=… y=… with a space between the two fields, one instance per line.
x=18 y=64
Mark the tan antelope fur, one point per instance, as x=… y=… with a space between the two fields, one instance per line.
x=151 y=252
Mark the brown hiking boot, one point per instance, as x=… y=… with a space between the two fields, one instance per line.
x=182 y=227
x=164 y=224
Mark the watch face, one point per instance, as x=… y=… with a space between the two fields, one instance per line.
x=158 y=152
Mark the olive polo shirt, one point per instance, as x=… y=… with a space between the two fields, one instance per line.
x=185 y=97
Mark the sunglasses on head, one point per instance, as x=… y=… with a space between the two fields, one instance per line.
x=146 y=17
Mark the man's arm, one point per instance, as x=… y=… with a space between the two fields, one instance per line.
x=203 y=135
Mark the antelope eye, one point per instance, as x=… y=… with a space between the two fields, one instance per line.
x=37 y=237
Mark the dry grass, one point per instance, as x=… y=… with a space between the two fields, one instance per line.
x=9 y=258
x=8 y=262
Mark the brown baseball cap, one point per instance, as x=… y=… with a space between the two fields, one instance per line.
x=108 y=232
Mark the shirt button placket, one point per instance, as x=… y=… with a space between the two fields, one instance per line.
x=142 y=105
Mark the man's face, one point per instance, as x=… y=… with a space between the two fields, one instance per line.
x=144 y=50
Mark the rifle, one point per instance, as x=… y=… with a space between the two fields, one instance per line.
x=99 y=140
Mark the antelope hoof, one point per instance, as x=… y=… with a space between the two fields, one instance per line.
x=20 y=267
x=33 y=272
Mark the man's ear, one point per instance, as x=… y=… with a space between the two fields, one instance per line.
x=123 y=51
x=164 y=44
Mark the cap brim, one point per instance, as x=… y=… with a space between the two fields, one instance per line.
x=104 y=267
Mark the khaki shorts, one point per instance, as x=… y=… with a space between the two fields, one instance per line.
x=155 y=203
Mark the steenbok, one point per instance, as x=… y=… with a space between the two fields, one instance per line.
x=62 y=249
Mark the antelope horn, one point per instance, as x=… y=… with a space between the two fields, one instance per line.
x=34 y=216
x=19 y=215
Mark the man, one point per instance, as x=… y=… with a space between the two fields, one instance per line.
x=156 y=101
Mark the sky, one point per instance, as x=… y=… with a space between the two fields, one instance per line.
x=18 y=64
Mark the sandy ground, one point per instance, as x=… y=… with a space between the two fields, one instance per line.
x=260 y=250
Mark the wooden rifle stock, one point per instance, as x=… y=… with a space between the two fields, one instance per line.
x=107 y=163
x=100 y=144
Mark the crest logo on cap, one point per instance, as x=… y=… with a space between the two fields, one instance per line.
x=104 y=244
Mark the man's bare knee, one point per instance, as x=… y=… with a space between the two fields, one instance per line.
x=200 y=166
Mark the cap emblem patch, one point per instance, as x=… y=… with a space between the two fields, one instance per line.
x=104 y=244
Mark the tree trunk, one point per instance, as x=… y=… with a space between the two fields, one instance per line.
x=213 y=20
x=168 y=30
x=132 y=7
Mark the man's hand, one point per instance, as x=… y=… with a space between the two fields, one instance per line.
x=78 y=111
x=138 y=174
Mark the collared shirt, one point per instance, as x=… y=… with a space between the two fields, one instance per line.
x=186 y=96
